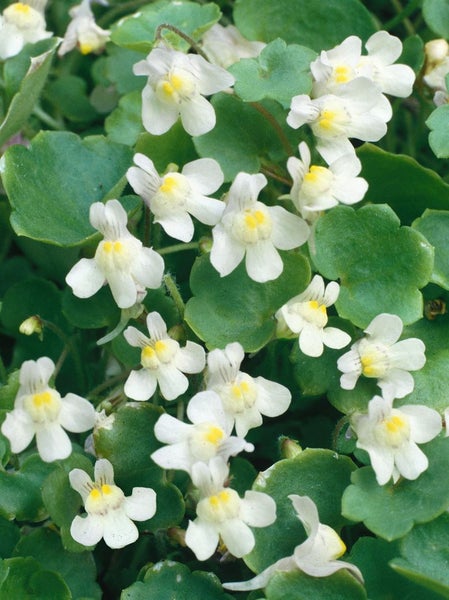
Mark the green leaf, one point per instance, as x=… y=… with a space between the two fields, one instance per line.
x=124 y=124
x=119 y=69
x=236 y=148
x=77 y=570
x=244 y=307
x=425 y=555
x=374 y=558
x=90 y=313
x=390 y=511
x=128 y=443
x=358 y=247
x=299 y=586
x=434 y=225
x=137 y=32
x=436 y=15
x=168 y=580
x=52 y=184
x=24 y=100
x=438 y=123
x=25 y=579
x=432 y=381
x=316 y=24
x=321 y=474
x=408 y=187
x=412 y=53
x=280 y=72
x=69 y=94
x=20 y=491
x=61 y=500
x=9 y=536
x=175 y=146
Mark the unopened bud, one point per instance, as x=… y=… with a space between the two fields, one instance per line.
x=31 y=325
x=289 y=448
x=436 y=51
x=205 y=245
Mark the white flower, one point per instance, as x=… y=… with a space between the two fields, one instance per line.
x=176 y=85
x=437 y=64
x=21 y=23
x=317 y=556
x=380 y=355
x=110 y=514
x=120 y=260
x=345 y=62
x=175 y=196
x=208 y=436
x=306 y=315
x=317 y=188
x=40 y=411
x=390 y=436
x=163 y=362
x=223 y=514
x=244 y=398
x=83 y=32
x=251 y=228
x=226 y=45
x=360 y=111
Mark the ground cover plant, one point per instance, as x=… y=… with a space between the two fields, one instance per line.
x=224 y=341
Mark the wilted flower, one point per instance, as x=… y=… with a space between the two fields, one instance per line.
x=83 y=32
x=163 y=361
x=380 y=355
x=390 y=436
x=249 y=227
x=177 y=84
x=173 y=197
x=225 y=46
x=306 y=315
x=40 y=411
x=317 y=556
x=223 y=514
x=120 y=260
x=110 y=514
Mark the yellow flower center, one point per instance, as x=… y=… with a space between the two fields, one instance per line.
x=253 y=225
x=317 y=181
x=394 y=430
x=205 y=440
x=374 y=360
x=103 y=498
x=23 y=16
x=157 y=352
x=312 y=311
x=177 y=86
x=239 y=396
x=43 y=407
x=219 y=507
x=342 y=74
x=116 y=255
x=172 y=193
x=331 y=122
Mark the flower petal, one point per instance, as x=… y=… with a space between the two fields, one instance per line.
x=172 y=382
x=141 y=505
x=157 y=116
x=85 y=278
x=87 y=530
x=77 y=414
x=53 y=443
x=201 y=538
x=226 y=252
x=118 y=529
x=273 y=399
x=140 y=385
x=257 y=509
x=191 y=358
x=204 y=174
x=19 y=428
x=237 y=536
x=263 y=262
x=197 y=115
x=289 y=231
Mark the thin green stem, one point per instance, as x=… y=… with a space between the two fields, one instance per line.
x=107 y=384
x=276 y=126
x=277 y=177
x=60 y=361
x=47 y=119
x=69 y=346
x=174 y=293
x=402 y=16
x=182 y=35
x=179 y=248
